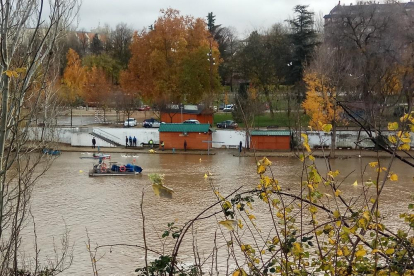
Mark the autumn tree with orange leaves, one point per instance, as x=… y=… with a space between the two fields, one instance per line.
x=74 y=78
x=169 y=62
x=97 y=88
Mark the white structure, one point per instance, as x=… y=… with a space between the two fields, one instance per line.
x=110 y=137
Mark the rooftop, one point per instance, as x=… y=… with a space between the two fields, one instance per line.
x=184 y=128
x=270 y=133
x=366 y=7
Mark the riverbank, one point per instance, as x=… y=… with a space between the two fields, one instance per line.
x=245 y=153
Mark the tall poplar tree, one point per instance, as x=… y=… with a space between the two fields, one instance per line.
x=96 y=45
x=304 y=39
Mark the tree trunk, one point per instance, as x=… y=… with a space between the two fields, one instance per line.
x=333 y=140
x=3 y=127
x=269 y=101
x=288 y=109
x=333 y=137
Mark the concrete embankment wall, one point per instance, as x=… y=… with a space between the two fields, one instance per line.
x=221 y=138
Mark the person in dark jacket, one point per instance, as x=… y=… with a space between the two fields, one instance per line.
x=126 y=141
x=134 y=141
x=93 y=142
x=185 y=145
x=240 y=147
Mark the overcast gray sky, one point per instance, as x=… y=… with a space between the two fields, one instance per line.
x=244 y=15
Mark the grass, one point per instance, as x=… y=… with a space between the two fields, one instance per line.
x=280 y=119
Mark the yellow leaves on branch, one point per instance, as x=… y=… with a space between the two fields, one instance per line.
x=393 y=126
x=265 y=162
x=262 y=164
x=392 y=139
x=261 y=169
x=327 y=127
x=305 y=142
x=373 y=164
x=333 y=174
x=361 y=253
x=404 y=147
x=229 y=224
x=15 y=73
x=240 y=272
x=338 y=192
x=403 y=138
x=389 y=251
x=251 y=217
x=297 y=249
x=393 y=177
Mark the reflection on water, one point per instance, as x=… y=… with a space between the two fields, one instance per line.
x=108 y=207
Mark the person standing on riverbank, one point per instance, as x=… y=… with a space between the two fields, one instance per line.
x=126 y=141
x=162 y=145
x=93 y=142
x=134 y=141
x=240 y=147
x=185 y=145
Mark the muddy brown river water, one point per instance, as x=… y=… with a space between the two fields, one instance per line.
x=108 y=207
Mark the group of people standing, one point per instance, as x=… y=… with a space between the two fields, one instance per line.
x=132 y=141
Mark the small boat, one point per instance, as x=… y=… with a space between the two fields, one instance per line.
x=97 y=156
x=115 y=170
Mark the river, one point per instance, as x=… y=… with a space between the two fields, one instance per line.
x=109 y=207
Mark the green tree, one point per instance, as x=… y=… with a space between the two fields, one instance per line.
x=111 y=66
x=121 y=39
x=304 y=39
x=96 y=45
x=210 y=22
x=263 y=59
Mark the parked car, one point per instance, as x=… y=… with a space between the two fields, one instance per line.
x=130 y=122
x=227 y=124
x=151 y=123
x=191 y=122
x=144 y=108
x=228 y=108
